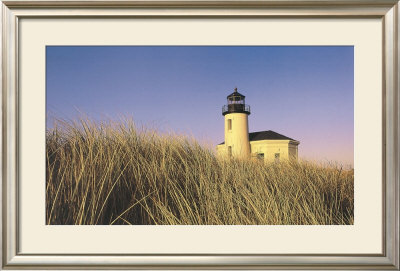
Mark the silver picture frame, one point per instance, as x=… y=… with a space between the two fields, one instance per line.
x=15 y=10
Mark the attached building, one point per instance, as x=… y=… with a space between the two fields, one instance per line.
x=265 y=145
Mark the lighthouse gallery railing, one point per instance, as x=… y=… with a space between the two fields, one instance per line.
x=236 y=108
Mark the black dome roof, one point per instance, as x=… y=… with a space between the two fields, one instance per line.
x=235 y=94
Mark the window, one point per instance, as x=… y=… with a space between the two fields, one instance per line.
x=260 y=156
x=230 y=150
x=229 y=124
x=277 y=156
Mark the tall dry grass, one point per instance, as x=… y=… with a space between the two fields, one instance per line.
x=113 y=173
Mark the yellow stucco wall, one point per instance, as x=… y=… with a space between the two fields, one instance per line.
x=293 y=151
x=269 y=148
x=221 y=150
x=237 y=135
x=287 y=149
x=274 y=149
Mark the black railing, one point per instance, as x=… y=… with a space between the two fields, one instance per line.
x=236 y=108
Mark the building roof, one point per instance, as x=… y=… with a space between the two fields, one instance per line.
x=266 y=135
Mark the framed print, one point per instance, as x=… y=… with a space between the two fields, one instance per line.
x=200 y=134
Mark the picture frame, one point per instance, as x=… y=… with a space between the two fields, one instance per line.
x=14 y=11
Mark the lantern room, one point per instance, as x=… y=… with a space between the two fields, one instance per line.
x=235 y=104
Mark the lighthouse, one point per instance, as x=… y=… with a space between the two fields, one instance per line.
x=268 y=145
x=236 y=114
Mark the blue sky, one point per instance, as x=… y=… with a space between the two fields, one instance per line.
x=305 y=92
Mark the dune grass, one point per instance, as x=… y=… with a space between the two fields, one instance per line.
x=114 y=173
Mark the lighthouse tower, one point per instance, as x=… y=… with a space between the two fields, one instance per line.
x=236 y=114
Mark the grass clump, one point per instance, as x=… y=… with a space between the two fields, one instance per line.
x=113 y=173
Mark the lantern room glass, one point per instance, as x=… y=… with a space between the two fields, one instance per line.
x=236 y=100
